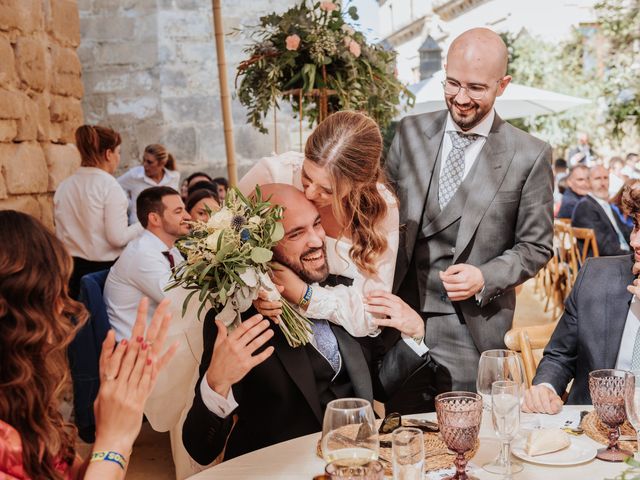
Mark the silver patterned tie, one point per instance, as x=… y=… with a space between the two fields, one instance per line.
x=635 y=358
x=326 y=343
x=453 y=172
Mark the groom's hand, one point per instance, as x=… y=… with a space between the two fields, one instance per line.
x=462 y=281
x=233 y=354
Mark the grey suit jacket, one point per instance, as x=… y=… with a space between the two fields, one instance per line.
x=589 y=333
x=506 y=229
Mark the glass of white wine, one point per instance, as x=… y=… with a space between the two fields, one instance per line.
x=349 y=434
x=505 y=413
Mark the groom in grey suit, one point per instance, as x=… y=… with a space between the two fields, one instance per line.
x=476 y=199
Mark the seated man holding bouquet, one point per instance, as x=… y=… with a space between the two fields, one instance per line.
x=600 y=327
x=278 y=392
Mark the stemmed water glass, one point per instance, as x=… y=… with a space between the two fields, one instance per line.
x=459 y=417
x=499 y=365
x=349 y=434
x=607 y=388
x=632 y=404
x=505 y=413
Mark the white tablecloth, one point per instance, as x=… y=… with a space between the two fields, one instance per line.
x=296 y=459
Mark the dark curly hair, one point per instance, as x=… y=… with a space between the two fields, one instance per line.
x=631 y=200
x=36 y=327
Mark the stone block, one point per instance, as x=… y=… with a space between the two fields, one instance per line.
x=67 y=71
x=3 y=187
x=182 y=142
x=22 y=203
x=11 y=105
x=108 y=27
x=46 y=210
x=22 y=15
x=65 y=109
x=43 y=120
x=137 y=107
x=8 y=130
x=30 y=62
x=62 y=161
x=142 y=56
x=28 y=125
x=24 y=167
x=195 y=108
x=63 y=21
x=7 y=63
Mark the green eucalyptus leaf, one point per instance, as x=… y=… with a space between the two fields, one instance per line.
x=261 y=255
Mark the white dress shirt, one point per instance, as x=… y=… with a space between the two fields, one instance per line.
x=141 y=270
x=90 y=210
x=625 y=353
x=473 y=150
x=609 y=211
x=135 y=181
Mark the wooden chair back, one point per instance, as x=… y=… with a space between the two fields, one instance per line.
x=588 y=237
x=530 y=342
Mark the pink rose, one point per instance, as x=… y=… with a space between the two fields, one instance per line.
x=293 y=42
x=347 y=41
x=354 y=48
x=328 y=6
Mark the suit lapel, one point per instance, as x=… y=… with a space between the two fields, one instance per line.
x=493 y=163
x=355 y=363
x=618 y=304
x=296 y=362
x=424 y=161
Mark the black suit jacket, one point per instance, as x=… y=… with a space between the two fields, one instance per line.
x=589 y=214
x=569 y=201
x=589 y=333
x=278 y=399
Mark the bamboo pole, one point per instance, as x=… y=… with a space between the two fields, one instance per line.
x=225 y=98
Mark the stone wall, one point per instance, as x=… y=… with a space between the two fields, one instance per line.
x=150 y=71
x=40 y=101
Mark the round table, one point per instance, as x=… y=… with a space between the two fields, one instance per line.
x=296 y=459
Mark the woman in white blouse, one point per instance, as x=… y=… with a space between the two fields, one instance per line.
x=90 y=208
x=340 y=173
x=158 y=169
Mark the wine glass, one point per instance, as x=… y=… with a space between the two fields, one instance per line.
x=498 y=365
x=505 y=413
x=459 y=417
x=607 y=388
x=632 y=404
x=349 y=434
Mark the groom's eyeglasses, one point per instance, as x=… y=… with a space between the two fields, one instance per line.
x=475 y=92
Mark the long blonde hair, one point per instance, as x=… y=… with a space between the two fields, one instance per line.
x=35 y=330
x=349 y=146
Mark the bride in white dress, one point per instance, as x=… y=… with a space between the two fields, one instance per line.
x=340 y=173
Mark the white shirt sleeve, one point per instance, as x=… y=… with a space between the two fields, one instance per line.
x=344 y=305
x=420 y=348
x=151 y=275
x=118 y=232
x=125 y=182
x=216 y=403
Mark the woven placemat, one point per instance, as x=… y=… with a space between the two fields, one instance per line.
x=598 y=431
x=437 y=455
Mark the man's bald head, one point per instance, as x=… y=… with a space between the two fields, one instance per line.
x=476 y=74
x=303 y=248
x=483 y=48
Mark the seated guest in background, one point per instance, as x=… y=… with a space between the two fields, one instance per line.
x=559 y=173
x=144 y=268
x=158 y=169
x=198 y=177
x=594 y=211
x=631 y=168
x=582 y=153
x=616 y=204
x=577 y=187
x=600 y=327
x=38 y=320
x=278 y=392
x=616 y=177
x=198 y=203
x=203 y=185
x=90 y=208
x=223 y=186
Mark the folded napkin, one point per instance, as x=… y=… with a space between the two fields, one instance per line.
x=546 y=440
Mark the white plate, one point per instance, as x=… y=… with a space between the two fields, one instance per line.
x=581 y=450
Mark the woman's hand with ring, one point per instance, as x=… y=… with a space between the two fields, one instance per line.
x=398 y=314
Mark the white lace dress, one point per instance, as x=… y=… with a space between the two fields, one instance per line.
x=340 y=304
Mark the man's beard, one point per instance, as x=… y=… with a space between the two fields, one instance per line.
x=467 y=122
x=297 y=265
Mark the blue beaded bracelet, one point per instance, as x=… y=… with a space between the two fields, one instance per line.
x=306 y=298
x=109 y=456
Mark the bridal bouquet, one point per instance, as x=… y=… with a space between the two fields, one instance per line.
x=227 y=262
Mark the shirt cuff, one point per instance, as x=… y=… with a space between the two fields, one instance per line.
x=479 y=296
x=216 y=403
x=419 y=348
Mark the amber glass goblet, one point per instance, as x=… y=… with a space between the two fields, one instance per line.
x=607 y=388
x=459 y=418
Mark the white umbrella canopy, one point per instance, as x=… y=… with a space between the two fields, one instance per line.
x=517 y=101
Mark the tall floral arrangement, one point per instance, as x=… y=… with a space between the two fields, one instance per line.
x=310 y=49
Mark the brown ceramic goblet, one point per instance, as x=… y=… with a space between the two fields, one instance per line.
x=607 y=394
x=459 y=418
